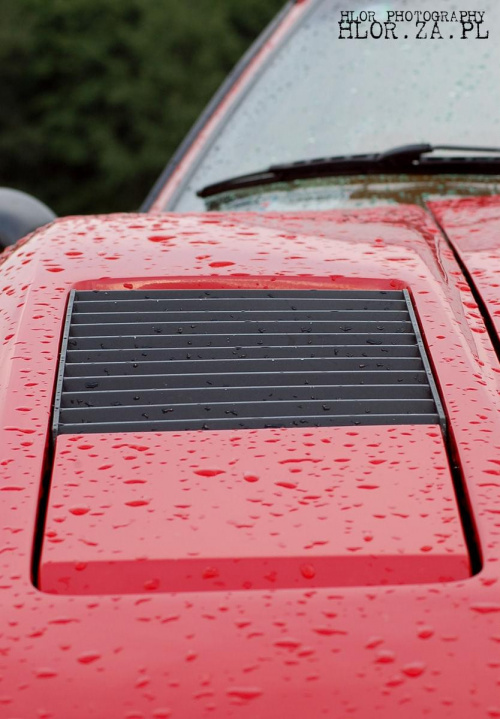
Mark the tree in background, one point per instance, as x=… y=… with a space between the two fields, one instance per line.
x=95 y=95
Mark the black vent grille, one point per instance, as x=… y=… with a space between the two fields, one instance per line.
x=223 y=359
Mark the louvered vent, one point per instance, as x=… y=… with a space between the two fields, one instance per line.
x=228 y=359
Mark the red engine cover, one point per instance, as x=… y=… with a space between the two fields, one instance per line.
x=135 y=629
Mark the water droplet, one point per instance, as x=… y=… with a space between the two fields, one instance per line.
x=307 y=571
x=78 y=511
x=413 y=669
x=208 y=472
x=88 y=657
x=250 y=478
x=384 y=656
x=485 y=608
x=244 y=692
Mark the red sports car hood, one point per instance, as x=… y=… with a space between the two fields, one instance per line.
x=340 y=569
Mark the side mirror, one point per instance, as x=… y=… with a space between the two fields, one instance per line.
x=20 y=214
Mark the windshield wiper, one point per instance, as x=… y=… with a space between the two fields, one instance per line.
x=407 y=159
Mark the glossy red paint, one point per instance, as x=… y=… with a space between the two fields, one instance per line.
x=254 y=509
x=423 y=649
x=473 y=227
x=292 y=17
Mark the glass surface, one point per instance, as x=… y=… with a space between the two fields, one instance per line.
x=352 y=192
x=323 y=96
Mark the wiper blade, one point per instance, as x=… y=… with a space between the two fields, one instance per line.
x=411 y=159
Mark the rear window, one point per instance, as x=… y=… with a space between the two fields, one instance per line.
x=322 y=95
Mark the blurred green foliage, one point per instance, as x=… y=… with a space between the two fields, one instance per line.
x=95 y=95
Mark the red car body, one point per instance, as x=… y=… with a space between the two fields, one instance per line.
x=321 y=571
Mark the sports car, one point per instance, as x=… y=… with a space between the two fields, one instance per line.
x=250 y=435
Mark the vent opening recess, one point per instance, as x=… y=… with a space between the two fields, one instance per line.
x=174 y=360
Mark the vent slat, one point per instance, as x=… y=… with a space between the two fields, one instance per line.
x=361 y=316
x=333 y=327
x=178 y=395
x=249 y=304
x=257 y=339
x=242 y=352
x=263 y=408
x=239 y=296
x=284 y=364
x=170 y=360
x=251 y=423
x=237 y=379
